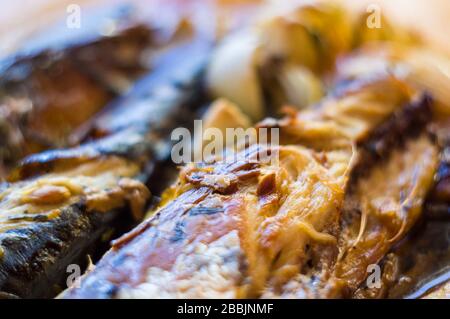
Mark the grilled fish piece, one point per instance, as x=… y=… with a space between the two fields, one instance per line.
x=378 y=157
x=67 y=200
x=416 y=263
x=47 y=92
x=50 y=222
x=420 y=262
x=381 y=209
x=248 y=228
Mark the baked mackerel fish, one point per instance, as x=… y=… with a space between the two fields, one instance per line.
x=419 y=262
x=61 y=204
x=239 y=227
x=52 y=86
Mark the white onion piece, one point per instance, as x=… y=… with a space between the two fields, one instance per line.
x=232 y=73
x=300 y=86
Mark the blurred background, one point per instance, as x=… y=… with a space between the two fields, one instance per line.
x=21 y=18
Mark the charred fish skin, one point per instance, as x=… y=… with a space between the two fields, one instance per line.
x=149 y=102
x=32 y=268
x=113 y=29
x=408 y=122
x=43 y=84
x=419 y=264
x=399 y=134
x=52 y=221
x=137 y=125
x=100 y=176
x=420 y=260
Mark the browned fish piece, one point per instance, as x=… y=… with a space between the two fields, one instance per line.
x=46 y=95
x=419 y=262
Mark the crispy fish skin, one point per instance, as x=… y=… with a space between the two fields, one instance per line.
x=270 y=218
x=68 y=199
x=169 y=96
x=419 y=263
x=50 y=222
x=423 y=255
x=377 y=215
x=366 y=235
x=374 y=150
x=40 y=91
